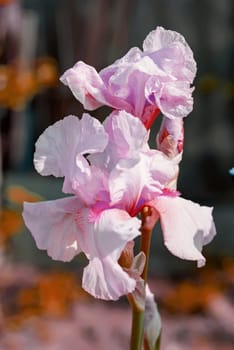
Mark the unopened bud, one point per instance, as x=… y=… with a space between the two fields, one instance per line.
x=170 y=139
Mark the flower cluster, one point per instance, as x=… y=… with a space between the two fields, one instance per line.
x=111 y=173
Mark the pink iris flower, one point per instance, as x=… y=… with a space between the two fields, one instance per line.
x=111 y=174
x=142 y=83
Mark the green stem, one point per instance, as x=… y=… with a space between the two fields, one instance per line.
x=137 y=329
x=138 y=315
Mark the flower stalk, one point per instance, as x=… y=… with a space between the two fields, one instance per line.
x=137 y=329
x=146 y=233
x=138 y=314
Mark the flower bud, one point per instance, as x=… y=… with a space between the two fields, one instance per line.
x=170 y=139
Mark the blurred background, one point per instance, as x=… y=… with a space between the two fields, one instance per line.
x=41 y=302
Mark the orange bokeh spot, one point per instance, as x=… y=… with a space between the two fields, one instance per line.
x=19 y=194
x=10 y=223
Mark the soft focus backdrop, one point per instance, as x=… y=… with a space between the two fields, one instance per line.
x=41 y=302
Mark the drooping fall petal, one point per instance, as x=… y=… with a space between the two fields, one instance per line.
x=186 y=227
x=103 y=241
x=53 y=226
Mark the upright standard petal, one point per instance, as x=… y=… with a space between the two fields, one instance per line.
x=102 y=241
x=53 y=226
x=173 y=52
x=60 y=149
x=186 y=226
x=127 y=136
x=127 y=81
x=134 y=183
x=141 y=83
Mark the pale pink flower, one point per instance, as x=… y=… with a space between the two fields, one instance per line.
x=141 y=82
x=112 y=174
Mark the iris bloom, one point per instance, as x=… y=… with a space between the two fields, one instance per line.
x=142 y=83
x=111 y=174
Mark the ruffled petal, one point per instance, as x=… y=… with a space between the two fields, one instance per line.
x=186 y=227
x=127 y=136
x=122 y=85
x=126 y=133
x=102 y=240
x=60 y=148
x=53 y=226
x=85 y=84
x=135 y=182
x=106 y=280
x=161 y=38
x=126 y=81
x=91 y=186
x=173 y=52
x=173 y=98
x=89 y=88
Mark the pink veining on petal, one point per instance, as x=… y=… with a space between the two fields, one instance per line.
x=96 y=210
x=169 y=192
